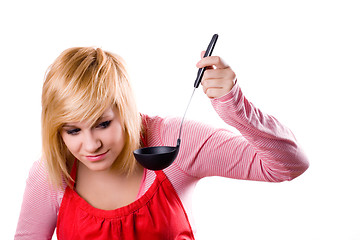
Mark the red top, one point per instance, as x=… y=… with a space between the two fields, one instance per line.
x=158 y=214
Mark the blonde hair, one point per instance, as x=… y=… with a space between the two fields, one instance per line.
x=80 y=85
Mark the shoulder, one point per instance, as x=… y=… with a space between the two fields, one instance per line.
x=169 y=123
x=38 y=181
x=155 y=128
x=38 y=172
x=157 y=122
x=151 y=122
x=40 y=205
x=164 y=130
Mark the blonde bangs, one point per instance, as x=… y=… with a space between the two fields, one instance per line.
x=80 y=85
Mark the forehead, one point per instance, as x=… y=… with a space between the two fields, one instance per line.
x=109 y=112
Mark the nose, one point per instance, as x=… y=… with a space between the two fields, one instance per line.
x=91 y=143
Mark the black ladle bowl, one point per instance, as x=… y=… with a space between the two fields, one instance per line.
x=157 y=158
x=161 y=157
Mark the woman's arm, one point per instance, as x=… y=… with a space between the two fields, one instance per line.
x=263 y=150
x=40 y=206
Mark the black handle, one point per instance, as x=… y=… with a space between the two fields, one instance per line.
x=208 y=52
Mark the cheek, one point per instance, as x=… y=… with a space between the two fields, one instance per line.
x=117 y=138
x=70 y=143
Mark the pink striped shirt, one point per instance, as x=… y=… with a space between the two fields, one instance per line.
x=263 y=150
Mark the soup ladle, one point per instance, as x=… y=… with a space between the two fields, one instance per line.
x=160 y=157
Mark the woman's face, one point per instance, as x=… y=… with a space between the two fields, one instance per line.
x=97 y=146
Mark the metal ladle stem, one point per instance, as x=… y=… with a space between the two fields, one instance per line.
x=182 y=121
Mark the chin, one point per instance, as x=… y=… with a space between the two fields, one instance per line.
x=99 y=166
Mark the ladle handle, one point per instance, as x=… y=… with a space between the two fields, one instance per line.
x=208 y=52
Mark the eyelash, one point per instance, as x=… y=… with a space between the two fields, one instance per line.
x=102 y=125
x=73 y=131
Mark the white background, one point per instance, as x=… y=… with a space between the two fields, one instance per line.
x=296 y=60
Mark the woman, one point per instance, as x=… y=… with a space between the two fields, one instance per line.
x=88 y=184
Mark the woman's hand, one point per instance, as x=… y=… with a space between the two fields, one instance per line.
x=218 y=79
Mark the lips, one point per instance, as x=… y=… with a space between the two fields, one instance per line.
x=94 y=158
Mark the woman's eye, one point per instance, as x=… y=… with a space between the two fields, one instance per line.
x=104 y=124
x=73 y=131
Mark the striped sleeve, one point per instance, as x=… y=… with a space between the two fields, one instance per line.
x=262 y=150
x=40 y=206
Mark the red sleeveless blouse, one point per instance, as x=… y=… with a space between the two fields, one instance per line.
x=157 y=215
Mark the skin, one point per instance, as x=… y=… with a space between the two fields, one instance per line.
x=218 y=79
x=85 y=141
x=96 y=183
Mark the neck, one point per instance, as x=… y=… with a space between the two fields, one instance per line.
x=108 y=173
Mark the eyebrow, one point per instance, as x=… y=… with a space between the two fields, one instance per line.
x=66 y=125
x=69 y=126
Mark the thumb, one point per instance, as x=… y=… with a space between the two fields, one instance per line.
x=202 y=54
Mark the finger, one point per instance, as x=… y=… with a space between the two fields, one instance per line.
x=212 y=61
x=217 y=74
x=217 y=83
x=202 y=56
x=216 y=87
x=224 y=77
x=209 y=84
x=214 y=92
